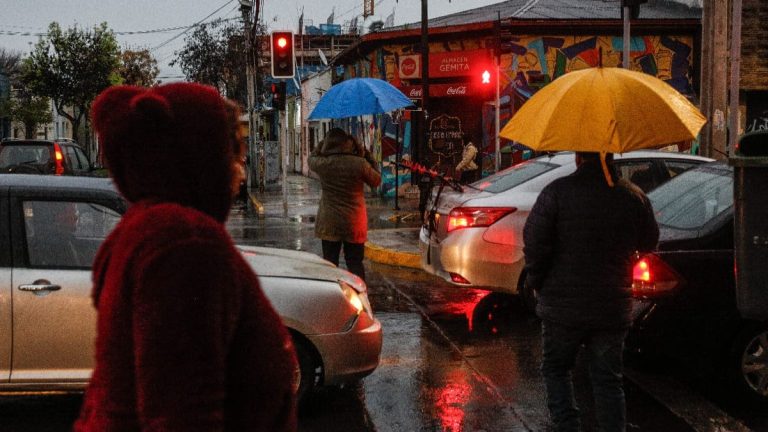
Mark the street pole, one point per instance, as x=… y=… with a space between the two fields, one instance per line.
x=733 y=117
x=424 y=81
x=498 y=114
x=714 y=82
x=397 y=163
x=251 y=97
x=625 y=39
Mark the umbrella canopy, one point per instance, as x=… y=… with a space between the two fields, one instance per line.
x=359 y=96
x=605 y=110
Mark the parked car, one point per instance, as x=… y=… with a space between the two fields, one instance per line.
x=474 y=238
x=51 y=228
x=57 y=157
x=686 y=290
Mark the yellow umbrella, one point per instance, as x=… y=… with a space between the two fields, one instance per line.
x=605 y=110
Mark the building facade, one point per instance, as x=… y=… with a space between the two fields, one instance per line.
x=541 y=43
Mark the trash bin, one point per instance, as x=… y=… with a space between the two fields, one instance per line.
x=750 y=174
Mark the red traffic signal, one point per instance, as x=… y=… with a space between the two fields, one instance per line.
x=283 y=61
x=278 y=91
x=485 y=77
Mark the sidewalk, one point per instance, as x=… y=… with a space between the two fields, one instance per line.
x=393 y=235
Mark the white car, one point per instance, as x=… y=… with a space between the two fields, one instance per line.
x=475 y=238
x=48 y=323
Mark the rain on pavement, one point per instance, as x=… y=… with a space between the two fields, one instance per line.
x=453 y=359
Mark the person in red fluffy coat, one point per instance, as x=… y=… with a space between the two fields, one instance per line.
x=186 y=339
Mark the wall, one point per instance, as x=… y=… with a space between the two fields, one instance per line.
x=754 y=48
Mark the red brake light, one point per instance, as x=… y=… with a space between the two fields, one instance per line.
x=59 y=157
x=470 y=217
x=459 y=279
x=652 y=277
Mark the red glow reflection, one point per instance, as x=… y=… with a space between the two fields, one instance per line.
x=450 y=400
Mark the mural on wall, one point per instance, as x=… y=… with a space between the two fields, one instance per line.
x=534 y=61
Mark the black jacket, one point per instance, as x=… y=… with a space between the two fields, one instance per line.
x=580 y=238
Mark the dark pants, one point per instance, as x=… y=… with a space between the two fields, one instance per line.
x=353 y=255
x=469 y=176
x=604 y=350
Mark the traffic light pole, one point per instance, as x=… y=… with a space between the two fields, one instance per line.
x=498 y=114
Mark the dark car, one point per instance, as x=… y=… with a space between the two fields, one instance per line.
x=55 y=157
x=686 y=290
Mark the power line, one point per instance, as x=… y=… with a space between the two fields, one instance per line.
x=195 y=24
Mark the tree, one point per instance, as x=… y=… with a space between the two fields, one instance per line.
x=138 y=68
x=71 y=67
x=10 y=65
x=214 y=54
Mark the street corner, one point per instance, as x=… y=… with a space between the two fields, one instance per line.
x=389 y=256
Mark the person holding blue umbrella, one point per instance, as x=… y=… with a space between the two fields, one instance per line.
x=344 y=167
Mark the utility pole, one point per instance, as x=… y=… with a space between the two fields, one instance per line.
x=733 y=118
x=246 y=7
x=714 y=77
x=424 y=81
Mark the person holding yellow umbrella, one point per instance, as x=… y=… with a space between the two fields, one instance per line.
x=584 y=229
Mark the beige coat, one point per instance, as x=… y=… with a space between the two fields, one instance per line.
x=341 y=215
x=467 y=158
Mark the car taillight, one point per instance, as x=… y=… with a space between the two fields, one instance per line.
x=652 y=277
x=59 y=158
x=470 y=217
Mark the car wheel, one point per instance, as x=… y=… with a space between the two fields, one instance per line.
x=527 y=296
x=749 y=363
x=306 y=375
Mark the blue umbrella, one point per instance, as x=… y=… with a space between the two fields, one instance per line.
x=359 y=96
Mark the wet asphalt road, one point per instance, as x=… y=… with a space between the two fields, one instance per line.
x=453 y=359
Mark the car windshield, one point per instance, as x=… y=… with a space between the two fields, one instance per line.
x=514 y=176
x=692 y=199
x=11 y=155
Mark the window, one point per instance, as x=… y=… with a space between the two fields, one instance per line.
x=65 y=234
x=71 y=156
x=84 y=162
x=514 y=176
x=674 y=168
x=638 y=172
x=693 y=200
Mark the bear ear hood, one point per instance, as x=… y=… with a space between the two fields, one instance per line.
x=168 y=143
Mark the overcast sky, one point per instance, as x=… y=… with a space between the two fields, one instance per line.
x=22 y=20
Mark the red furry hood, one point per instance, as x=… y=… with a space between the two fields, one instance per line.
x=168 y=143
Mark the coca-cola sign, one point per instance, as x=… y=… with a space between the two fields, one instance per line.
x=410 y=66
x=460 y=90
x=444 y=90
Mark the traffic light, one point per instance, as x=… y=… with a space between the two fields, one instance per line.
x=278 y=96
x=283 y=63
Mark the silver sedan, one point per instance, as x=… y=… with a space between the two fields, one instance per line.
x=48 y=324
x=474 y=238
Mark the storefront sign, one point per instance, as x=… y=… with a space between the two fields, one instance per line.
x=458 y=63
x=446 y=64
x=446 y=90
x=410 y=66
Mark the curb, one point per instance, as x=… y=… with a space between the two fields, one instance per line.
x=257 y=205
x=393 y=257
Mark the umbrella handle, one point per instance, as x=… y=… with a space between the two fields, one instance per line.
x=606 y=172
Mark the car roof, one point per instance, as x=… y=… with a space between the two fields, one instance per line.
x=562 y=157
x=57 y=182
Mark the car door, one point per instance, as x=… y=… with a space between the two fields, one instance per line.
x=6 y=322
x=55 y=237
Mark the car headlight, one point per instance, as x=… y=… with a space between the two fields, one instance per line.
x=357 y=298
